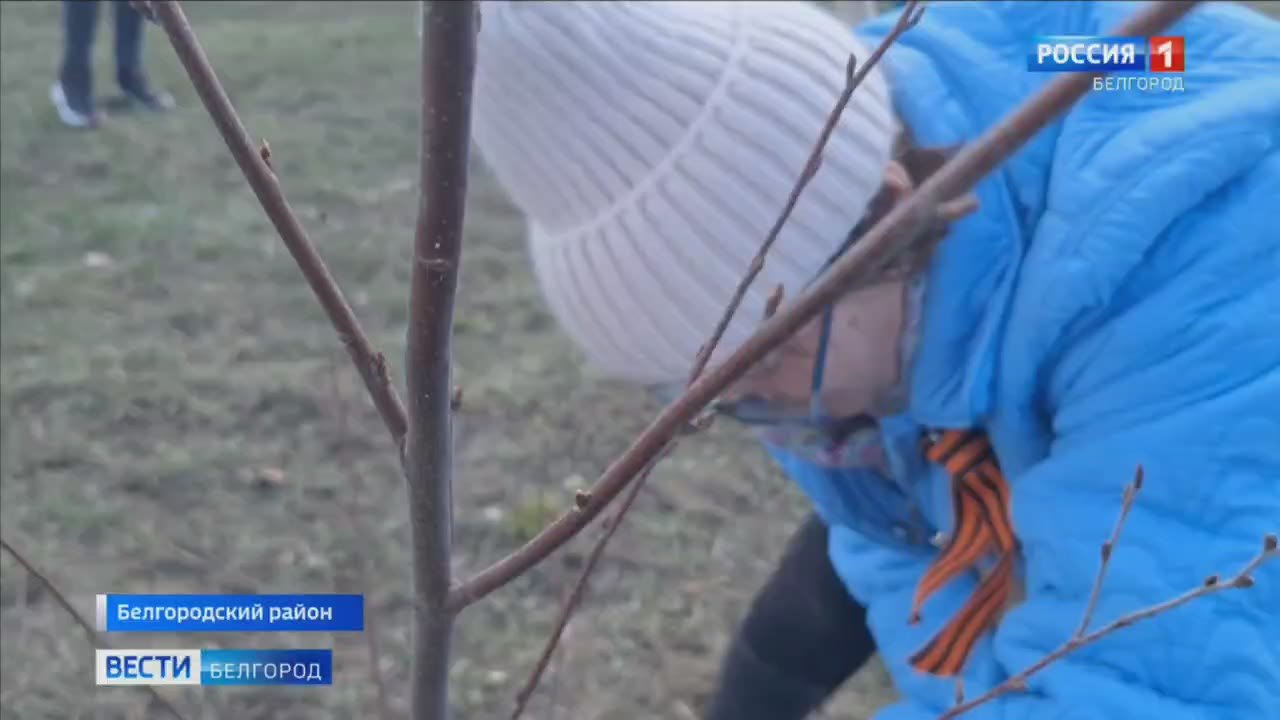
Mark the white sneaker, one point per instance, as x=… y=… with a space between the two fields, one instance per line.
x=70 y=116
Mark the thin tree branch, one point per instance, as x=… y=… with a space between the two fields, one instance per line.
x=371 y=365
x=854 y=76
x=98 y=639
x=448 y=62
x=1130 y=495
x=580 y=587
x=356 y=487
x=1018 y=683
x=894 y=236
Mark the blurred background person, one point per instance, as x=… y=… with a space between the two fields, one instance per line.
x=73 y=91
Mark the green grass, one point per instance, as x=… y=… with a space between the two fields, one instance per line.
x=160 y=349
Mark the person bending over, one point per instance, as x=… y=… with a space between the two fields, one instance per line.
x=965 y=431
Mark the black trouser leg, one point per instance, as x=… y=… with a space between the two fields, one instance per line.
x=802 y=638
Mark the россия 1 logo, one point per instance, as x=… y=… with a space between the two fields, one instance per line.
x=1168 y=54
x=1084 y=53
x=1129 y=62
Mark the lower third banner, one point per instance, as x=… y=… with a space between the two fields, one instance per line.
x=214 y=667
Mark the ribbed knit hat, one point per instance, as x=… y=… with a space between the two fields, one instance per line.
x=653 y=144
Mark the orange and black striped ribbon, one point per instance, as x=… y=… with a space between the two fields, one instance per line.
x=980 y=503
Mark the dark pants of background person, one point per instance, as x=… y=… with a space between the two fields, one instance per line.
x=802 y=638
x=80 y=25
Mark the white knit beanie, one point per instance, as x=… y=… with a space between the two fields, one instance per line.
x=653 y=144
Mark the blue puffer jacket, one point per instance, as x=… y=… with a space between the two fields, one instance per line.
x=1116 y=301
